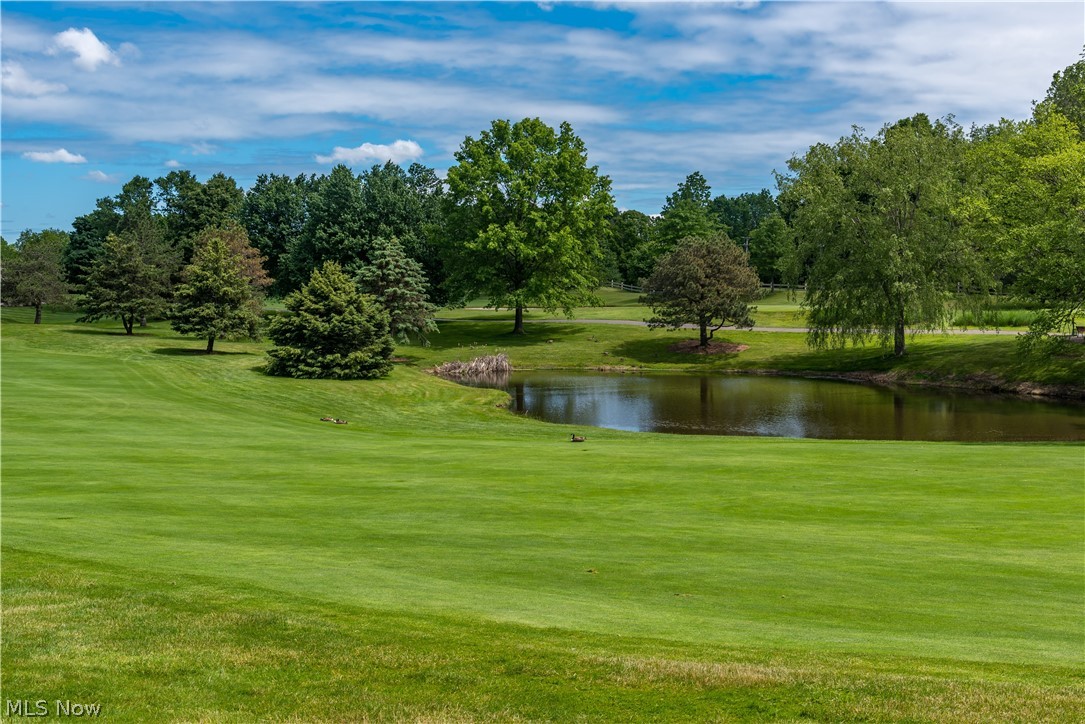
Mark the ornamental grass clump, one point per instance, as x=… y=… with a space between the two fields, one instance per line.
x=485 y=367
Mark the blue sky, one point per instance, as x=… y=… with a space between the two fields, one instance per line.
x=94 y=94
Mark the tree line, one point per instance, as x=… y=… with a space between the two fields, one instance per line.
x=887 y=231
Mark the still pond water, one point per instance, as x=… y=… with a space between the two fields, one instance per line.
x=786 y=407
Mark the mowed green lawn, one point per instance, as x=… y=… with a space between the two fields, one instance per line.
x=183 y=539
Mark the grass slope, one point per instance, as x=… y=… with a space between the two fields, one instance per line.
x=183 y=539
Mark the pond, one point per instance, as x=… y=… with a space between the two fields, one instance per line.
x=786 y=407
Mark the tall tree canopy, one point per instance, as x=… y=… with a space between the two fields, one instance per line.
x=740 y=215
x=334 y=229
x=633 y=244
x=1066 y=94
x=274 y=216
x=1026 y=209
x=770 y=243
x=332 y=331
x=35 y=275
x=524 y=218
x=217 y=298
x=132 y=210
x=189 y=206
x=694 y=189
x=405 y=205
x=686 y=213
x=875 y=232
x=705 y=281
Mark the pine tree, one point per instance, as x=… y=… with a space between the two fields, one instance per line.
x=216 y=299
x=399 y=285
x=129 y=279
x=332 y=331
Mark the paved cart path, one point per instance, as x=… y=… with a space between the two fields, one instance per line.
x=800 y=330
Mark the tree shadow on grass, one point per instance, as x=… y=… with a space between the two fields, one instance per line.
x=194 y=352
x=470 y=334
x=658 y=350
x=111 y=332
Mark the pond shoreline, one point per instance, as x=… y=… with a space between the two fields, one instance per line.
x=971 y=383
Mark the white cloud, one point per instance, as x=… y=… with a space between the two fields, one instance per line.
x=18 y=82
x=173 y=163
x=100 y=177
x=398 y=152
x=84 y=44
x=203 y=148
x=61 y=155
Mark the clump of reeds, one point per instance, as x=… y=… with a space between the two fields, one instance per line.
x=485 y=367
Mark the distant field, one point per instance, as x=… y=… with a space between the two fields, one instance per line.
x=183 y=539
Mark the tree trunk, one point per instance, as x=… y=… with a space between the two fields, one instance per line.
x=704 y=334
x=211 y=344
x=127 y=321
x=37 y=313
x=519 y=327
x=898 y=339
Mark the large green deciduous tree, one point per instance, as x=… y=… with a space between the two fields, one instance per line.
x=398 y=284
x=525 y=217
x=334 y=229
x=1066 y=95
x=217 y=298
x=190 y=206
x=332 y=330
x=875 y=233
x=705 y=281
x=274 y=217
x=35 y=276
x=1026 y=209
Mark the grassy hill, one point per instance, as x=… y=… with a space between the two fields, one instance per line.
x=183 y=539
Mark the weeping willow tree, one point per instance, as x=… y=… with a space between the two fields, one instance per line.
x=875 y=235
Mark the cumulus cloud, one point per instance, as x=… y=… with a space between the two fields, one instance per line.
x=17 y=81
x=173 y=163
x=100 y=177
x=398 y=152
x=61 y=155
x=84 y=44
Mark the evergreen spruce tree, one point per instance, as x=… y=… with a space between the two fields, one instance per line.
x=216 y=299
x=333 y=331
x=399 y=285
x=129 y=280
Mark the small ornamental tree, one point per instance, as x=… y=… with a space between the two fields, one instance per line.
x=35 y=275
x=399 y=285
x=215 y=298
x=333 y=331
x=705 y=281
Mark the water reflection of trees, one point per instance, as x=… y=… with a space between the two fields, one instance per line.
x=787 y=407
